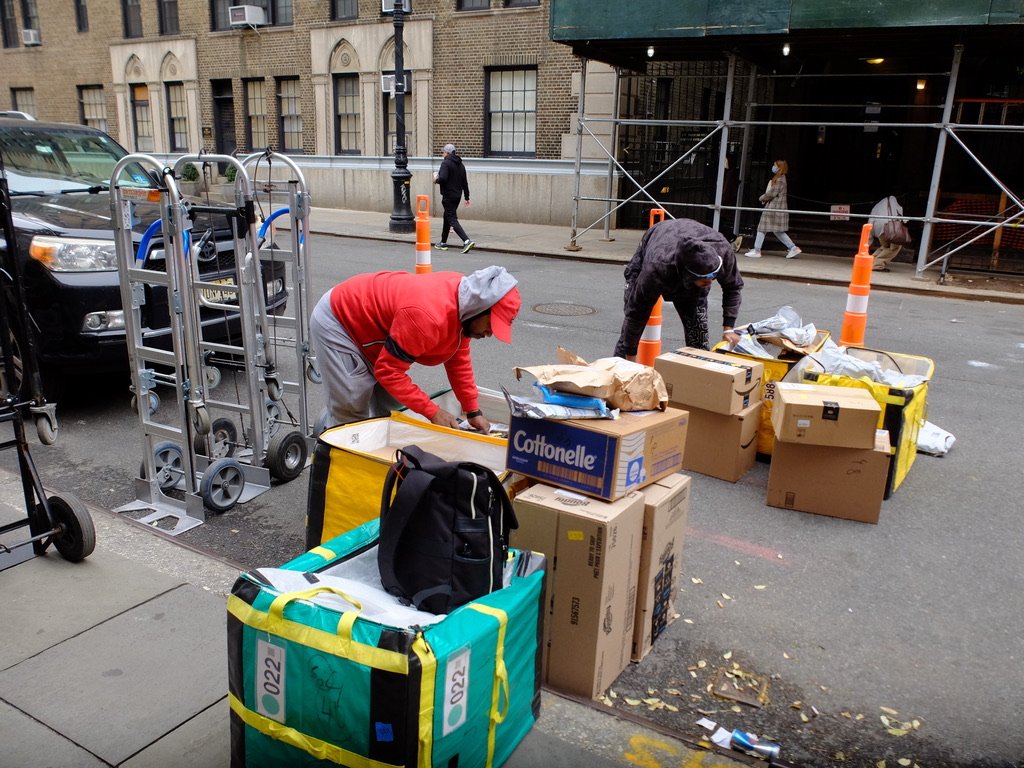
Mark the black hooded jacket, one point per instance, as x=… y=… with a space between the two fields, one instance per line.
x=669 y=258
x=452 y=179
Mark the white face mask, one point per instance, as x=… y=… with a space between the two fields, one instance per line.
x=775 y=169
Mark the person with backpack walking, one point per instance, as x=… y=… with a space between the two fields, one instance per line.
x=368 y=331
x=451 y=178
x=775 y=216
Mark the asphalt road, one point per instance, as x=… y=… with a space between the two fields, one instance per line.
x=917 y=616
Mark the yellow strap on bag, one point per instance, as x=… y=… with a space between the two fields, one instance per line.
x=499 y=708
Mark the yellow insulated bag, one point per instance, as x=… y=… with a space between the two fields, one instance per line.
x=323 y=672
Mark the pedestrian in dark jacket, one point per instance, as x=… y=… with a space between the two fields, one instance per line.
x=454 y=185
x=679 y=259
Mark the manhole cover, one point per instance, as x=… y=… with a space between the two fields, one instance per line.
x=563 y=308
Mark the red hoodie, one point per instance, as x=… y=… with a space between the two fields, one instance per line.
x=398 y=319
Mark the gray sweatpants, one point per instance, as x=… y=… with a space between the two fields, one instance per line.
x=350 y=389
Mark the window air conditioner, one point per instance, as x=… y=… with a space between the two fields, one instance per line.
x=246 y=16
x=30 y=37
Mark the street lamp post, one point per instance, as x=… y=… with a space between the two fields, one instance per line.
x=401 y=213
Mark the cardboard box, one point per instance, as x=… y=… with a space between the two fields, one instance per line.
x=605 y=458
x=838 y=482
x=697 y=378
x=593 y=551
x=842 y=417
x=666 y=506
x=722 y=446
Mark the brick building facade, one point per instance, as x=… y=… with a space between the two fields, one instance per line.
x=174 y=75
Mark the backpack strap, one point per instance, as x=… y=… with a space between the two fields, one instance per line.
x=395 y=513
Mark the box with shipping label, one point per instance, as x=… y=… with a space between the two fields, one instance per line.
x=605 y=458
x=775 y=370
x=593 y=551
x=666 y=506
x=722 y=446
x=904 y=406
x=697 y=378
x=838 y=482
x=812 y=414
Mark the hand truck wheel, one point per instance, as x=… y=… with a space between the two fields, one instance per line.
x=274 y=416
x=200 y=418
x=77 y=538
x=212 y=375
x=222 y=484
x=169 y=464
x=47 y=429
x=286 y=455
x=152 y=402
x=223 y=439
x=274 y=390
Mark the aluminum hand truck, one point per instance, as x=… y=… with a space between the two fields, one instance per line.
x=272 y=403
x=61 y=520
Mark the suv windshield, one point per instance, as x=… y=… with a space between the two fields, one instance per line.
x=62 y=159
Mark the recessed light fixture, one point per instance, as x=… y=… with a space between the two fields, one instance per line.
x=650 y=51
x=874 y=61
x=785 y=49
x=921 y=84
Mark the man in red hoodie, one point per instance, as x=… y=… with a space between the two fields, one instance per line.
x=368 y=331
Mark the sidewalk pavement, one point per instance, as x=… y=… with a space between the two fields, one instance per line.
x=551 y=241
x=120 y=660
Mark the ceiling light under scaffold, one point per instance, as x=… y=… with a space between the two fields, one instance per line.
x=874 y=61
x=650 y=51
x=921 y=84
x=785 y=49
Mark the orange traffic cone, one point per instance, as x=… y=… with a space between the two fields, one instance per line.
x=650 y=342
x=423 y=255
x=855 y=319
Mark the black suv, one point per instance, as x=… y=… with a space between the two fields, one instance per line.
x=59 y=180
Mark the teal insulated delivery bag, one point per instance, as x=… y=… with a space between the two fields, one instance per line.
x=325 y=668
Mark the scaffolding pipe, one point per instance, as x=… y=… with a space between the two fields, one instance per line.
x=940 y=151
x=581 y=103
x=611 y=160
x=723 y=144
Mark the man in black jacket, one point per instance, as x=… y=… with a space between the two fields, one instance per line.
x=679 y=259
x=452 y=180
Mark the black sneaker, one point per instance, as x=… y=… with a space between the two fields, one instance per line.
x=441 y=246
x=468 y=246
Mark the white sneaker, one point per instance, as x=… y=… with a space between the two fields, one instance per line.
x=793 y=252
x=752 y=254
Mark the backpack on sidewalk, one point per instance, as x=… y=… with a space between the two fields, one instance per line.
x=443 y=531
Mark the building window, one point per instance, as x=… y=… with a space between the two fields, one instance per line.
x=142 y=119
x=473 y=5
x=391 y=118
x=256 y=115
x=520 y=3
x=8 y=23
x=177 y=117
x=24 y=100
x=132 y=12
x=167 y=12
x=278 y=12
x=346 y=115
x=290 y=114
x=92 y=106
x=81 y=16
x=511 y=112
x=344 y=9
x=29 y=14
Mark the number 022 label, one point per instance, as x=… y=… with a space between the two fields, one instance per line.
x=270 y=666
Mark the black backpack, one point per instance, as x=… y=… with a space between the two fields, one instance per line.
x=444 y=535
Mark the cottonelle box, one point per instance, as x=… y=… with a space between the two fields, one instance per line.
x=605 y=458
x=593 y=548
x=813 y=414
x=722 y=446
x=666 y=506
x=838 y=482
x=697 y=378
